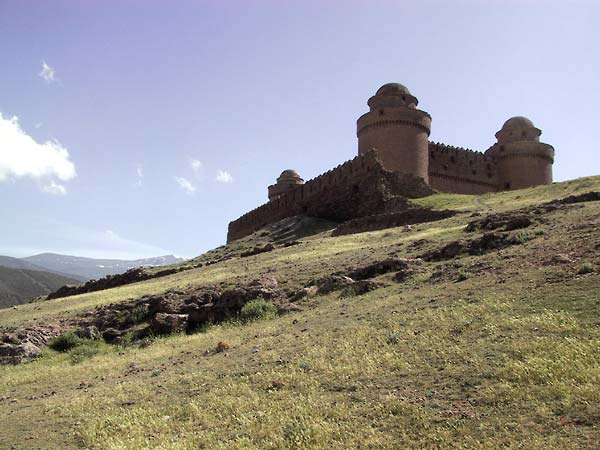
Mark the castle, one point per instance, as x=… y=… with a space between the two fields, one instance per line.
x=396 y=156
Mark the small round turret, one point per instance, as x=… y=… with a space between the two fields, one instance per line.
x=397 y=130
x=522 y=160
x=288 y=179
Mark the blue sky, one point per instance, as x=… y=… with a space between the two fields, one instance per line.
x=144 y=127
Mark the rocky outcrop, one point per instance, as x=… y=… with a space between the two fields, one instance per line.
x=111 y=281
x=478 y=246
x=503 y=221
x=26 y=344
x=411 y=216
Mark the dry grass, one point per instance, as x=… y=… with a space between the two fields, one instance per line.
x=507 y=357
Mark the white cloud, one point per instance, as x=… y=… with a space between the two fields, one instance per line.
x=47 y=73
x=196 y=166
x=185 y=185
x=139 y=171
x=224 y=176
x=22 y=157
x=52 y=187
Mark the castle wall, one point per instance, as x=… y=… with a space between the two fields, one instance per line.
x=461 y=171
x=357 y=188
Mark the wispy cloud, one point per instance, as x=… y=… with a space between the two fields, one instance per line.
x=47 y=73
x=196 y=166
x=224 y=177
x=185 y=185
x=52 y=187
x=139 y=171
x=22 y=157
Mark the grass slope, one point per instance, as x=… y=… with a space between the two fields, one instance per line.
x=497 y=350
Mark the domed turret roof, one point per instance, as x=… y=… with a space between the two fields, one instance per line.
x=290 y=176
x=518 y=122
x=289 y=173
x=393 y=89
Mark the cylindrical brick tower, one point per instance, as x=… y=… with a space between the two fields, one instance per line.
x=289 y=179
x=521 y=159
x=397 y=130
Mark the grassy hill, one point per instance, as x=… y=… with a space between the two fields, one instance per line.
x=498 y=348
x=21 y=285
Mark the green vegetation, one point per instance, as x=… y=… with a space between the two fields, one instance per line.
x=586 y=267
x=65 y=342
x=258 y=309
x=509 y=357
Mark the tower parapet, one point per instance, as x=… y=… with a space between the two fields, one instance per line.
x=522 y=161
x=397 y=129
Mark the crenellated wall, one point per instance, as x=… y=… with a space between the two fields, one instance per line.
x=354 y=189
x=461 y=171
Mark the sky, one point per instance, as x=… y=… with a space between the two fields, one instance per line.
x=130 y=129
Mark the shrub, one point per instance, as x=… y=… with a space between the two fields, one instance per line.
x=586 y=267
x=84 y=351
x=65 y=342
x=258 y=309
x=462 y=276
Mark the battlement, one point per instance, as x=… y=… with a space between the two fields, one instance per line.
x=460 y=170
x=350 y=190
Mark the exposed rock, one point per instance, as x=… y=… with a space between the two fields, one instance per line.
x=361 y=287
x=484 y=244
x=258 y=250
x=502 y=221
x=288 y=307
x=377 y=268
x=163 y=323
x=18 y=353
x=221 y=347
x=562 y=259
x=89 y=332
x=334 y=283
x=587 y=197
x=309 y=291
x=112 y=335
x=110 y=281
x=406 y=218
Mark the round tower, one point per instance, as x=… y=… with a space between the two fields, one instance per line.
x=397 y=130
x=521 y=159
x=288 y=179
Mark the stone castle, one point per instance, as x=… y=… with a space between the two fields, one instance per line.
x=397 y=160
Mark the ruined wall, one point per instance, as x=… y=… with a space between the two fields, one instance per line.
x=461 y=171
x=356 y=188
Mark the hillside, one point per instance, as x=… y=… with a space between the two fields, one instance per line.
x=90 y=268
x=483 y=333
x=21 y=285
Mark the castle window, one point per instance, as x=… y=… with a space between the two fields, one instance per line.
x=355 y=189
x=445 y=166
x=507 y=185
x=432 y=155
x=474 y=172
x=502 y=148
x=452 y=159
x=381 y=112
x=523 y=134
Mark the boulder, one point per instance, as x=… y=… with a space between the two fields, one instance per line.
x=361 y=287
x=334 y=283
x=164 y=323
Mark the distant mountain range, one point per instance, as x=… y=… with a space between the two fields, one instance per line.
x=21 y=285
x=22 y=279
x=89 y=268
